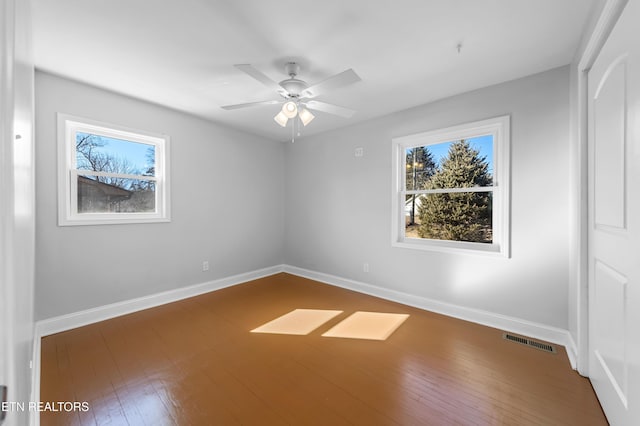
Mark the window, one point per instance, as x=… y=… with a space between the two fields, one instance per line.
x=451 y=189
x=108 y=174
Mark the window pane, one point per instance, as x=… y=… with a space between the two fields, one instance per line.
x=111 y=195
x=103 y=154
x=461 y=216
x=463 y=163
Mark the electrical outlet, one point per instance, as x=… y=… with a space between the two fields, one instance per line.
x=365 y=267
x=205 y=265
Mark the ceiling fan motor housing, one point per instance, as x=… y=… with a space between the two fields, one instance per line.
x=292 y=85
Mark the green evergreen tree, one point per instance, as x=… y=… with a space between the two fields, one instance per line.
x=420 y=167
x=459 y=216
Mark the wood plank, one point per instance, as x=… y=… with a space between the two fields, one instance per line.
x=196 y=362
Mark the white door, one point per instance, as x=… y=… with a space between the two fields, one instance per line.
x=614 y=221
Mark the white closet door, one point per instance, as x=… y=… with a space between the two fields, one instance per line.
x=614 y=221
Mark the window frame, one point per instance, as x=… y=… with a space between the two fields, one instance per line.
x=499 y=128
x=68 y=215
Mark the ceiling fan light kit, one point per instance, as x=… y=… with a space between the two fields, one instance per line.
x=305 y=116
x=298 y=94
x=281 y=119
x=290 y=109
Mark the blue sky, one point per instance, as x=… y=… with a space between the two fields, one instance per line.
x=134 y=152
x=484 y=144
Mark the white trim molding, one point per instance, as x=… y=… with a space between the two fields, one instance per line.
x=34 y=415
x=547 y=333
x=101 y=313
x=607 y=20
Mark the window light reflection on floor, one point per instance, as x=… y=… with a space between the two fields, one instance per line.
x=298 y=321
x=367 y=325
x=360 y=325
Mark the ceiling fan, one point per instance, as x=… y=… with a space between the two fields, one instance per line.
x=298 y=96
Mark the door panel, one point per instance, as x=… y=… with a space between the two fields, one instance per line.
x=609 y=115
x=614 y=221
x=610 y=321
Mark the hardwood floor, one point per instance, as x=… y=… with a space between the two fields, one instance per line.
x=194 y=362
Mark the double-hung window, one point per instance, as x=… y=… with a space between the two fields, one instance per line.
x=110 y=174
x=451 y=188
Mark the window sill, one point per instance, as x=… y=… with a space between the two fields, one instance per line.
x=453 y=247
x=102 y=220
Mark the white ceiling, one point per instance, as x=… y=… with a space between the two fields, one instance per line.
x=181 y=53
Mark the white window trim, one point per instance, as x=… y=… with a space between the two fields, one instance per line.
x=499 y=127
x=68 y=214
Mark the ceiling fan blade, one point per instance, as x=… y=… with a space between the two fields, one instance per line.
x=330 y=108
x=339 y=80
x=250 y=104
x=258 y=75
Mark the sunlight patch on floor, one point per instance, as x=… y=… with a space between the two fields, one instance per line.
x=298 y=321
x=367 y=325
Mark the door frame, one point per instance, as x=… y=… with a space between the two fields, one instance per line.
x=579 y=245
x=6 y=193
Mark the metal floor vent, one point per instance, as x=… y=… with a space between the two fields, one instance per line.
x=528 y=342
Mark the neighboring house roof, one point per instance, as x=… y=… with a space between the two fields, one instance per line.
x=111 y=191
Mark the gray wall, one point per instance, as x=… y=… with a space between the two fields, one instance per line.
x=226 y=205
x=339 y=207
x=231 y=192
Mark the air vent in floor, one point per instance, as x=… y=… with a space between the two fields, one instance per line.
x=528 y=342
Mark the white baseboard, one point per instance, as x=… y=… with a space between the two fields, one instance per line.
x=514 y=325
x=572 y=351
x=101 y=313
